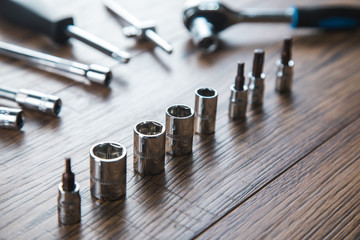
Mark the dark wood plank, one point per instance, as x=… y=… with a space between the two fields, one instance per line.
x=196 y=190
x=318 y=198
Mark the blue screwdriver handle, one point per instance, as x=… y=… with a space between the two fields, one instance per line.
x=332 y=17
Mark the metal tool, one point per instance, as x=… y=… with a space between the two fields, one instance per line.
x=108 y=171
x=149 y=148
x=205 y=110
x=239 y=95
x=11 y=118
x=179 y=130
x=137 y=29
x=32 y=100
x=40 y=16
x=69 y=201
x=94 y=73
x=285 y=64
x=256 y=79
x=205 y=19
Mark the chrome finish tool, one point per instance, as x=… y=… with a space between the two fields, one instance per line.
x=204 y=19
x=137 y=29
x=238 y=95
x=40 y=16
x=94 y=73
x=285 y=71
x=257 y=79
x=32 y=100
x=205 y=110
x=69 y=200
x=11 y=118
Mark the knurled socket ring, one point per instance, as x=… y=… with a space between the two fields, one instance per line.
x=69 y=205
x=149 y=147
x=205 y=110
x=179 y=130
x=108 y=171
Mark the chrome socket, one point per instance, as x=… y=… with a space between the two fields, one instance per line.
x=11 y=118
x=205 y=110
x=149 y=148
x=256 y=90
x=69 y=209
x=108 y=171
x=238 y=103
x=179 y=130
x=284 y=76
x=38 y=101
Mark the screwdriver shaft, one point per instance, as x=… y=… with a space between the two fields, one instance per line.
x=8 y=93
x=97 y=43
x=123 y=13
x=159 y=41
x=49 y=62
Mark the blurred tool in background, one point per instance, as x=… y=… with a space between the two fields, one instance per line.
x=32 y=100
x=44 y=17
x=94 y=73
x=137 y=29
x=205 y=19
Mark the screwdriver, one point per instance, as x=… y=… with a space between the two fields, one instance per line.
x=38 y=15
x=136 y=28
x=94 y=73
x=32 y=100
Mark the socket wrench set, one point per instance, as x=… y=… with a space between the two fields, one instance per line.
x=152 y=140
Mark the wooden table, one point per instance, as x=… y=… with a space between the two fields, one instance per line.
x=291 y=171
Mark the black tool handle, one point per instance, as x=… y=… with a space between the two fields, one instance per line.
x=332 y=17
x=37 y=15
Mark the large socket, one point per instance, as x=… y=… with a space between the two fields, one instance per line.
x=205 y=110
x=149 y=148
x=108 y=171
x=179 y=130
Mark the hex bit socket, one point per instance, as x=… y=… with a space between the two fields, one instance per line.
x=179 y=130
x=69 y=201
x=238 y=96
x=149 y=148
x=205 y=110
x=256 y=79
x=285 y=66
x=108 y=171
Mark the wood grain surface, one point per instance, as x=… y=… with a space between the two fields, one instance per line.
x=289 y=171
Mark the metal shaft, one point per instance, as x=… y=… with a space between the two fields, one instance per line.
x=97 y=43
x=93 y=72
x=265 y=16
x=32 y=100
x=142 y=30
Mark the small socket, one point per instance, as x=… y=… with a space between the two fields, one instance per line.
x=11 y=118
x=149 y=148
x=205 y=110
x=179 y=130
x=108 y=171
x=39 y=101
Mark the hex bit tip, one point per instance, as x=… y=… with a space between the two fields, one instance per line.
x=258 y=62
x=286 y=51
x=68 y=177
x=240 y=79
